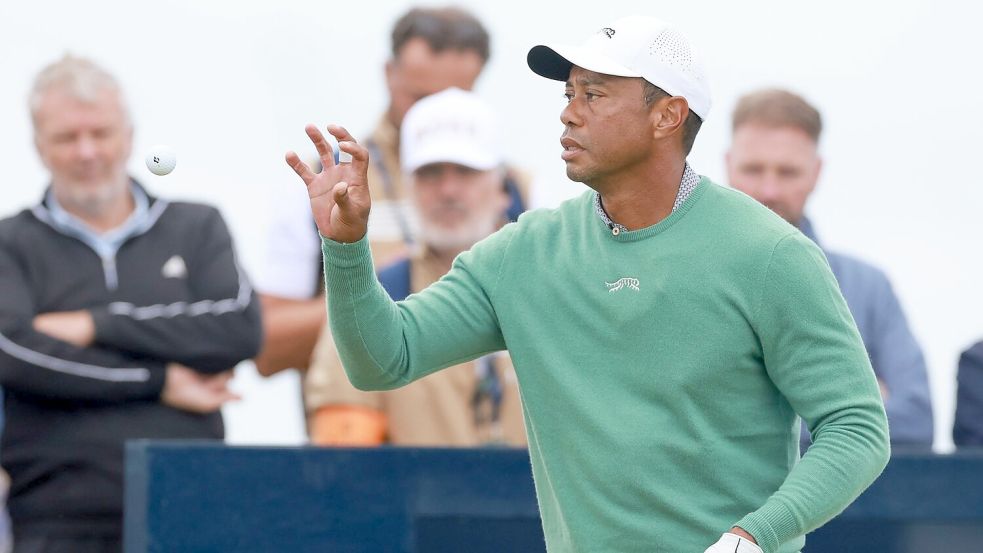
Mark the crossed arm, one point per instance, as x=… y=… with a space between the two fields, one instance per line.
x=129 y=356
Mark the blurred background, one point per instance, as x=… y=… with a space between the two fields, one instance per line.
x=230 y=85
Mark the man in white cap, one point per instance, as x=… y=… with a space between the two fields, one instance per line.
x=451 y=155
x=666 y=332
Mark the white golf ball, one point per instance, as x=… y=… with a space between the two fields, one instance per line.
x=161 y=160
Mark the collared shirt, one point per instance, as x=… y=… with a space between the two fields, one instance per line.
x=104 y=244
x=686 y=185
x=107 y=243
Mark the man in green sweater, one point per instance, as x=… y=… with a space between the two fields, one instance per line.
x=667 y=333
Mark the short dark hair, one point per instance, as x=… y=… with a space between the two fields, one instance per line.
x=447 y=28
x=692 y=124
x=775 y=107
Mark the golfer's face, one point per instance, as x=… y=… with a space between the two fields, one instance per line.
x=607 y=130
x=778 y=166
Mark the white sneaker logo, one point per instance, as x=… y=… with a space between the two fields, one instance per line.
x=174 y=268
x=621 y=283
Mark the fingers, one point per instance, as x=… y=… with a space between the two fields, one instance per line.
x=340 y=193
x=360 y=155
x=230 y=396
x=299 y=167
x=224 y=376
x=341 y=133
x=218 y=382
x=348 y=144
x=323 y=148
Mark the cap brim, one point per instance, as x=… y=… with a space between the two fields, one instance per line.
x=554 y=62
x=451 y=153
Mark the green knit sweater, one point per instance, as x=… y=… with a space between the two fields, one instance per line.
x=661 y=370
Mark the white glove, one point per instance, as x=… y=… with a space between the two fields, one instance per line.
x=732 y=543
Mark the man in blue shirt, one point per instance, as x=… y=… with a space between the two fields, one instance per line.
x=774 y=158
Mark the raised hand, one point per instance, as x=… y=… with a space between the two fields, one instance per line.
x=339 y=194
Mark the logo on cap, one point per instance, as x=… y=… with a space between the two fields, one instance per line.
x=608 y=31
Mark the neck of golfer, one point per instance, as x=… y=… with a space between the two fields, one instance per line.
x=644 y=197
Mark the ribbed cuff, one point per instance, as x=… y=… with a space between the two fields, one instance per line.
x=351 y=263
x=339 y=254
x=771 y=525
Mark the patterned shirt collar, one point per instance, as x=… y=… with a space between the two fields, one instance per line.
x=686 y=186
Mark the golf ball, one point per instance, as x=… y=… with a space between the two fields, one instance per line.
x=161 y=160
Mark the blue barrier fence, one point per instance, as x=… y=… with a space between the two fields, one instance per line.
x=204 y=497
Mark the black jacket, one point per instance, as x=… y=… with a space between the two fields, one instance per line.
x=967 y=430
x=171 y=293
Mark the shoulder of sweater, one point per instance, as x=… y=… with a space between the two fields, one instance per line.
x=188 y=212
x=531 y=227
x=750 y=221
x=12 y=226
x=746 y=206
x=573 y=208
x=16 y=219
x=191 y=208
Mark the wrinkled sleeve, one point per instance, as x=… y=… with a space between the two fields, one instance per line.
x=385 y=344
x=814 y=355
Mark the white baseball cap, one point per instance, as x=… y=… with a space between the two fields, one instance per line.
x=634 y=46
x=452 y=126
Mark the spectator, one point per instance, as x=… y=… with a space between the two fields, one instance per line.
x=432 y=49
x=774 y=159
x=451 y=153
x=968 y=427
x=121 y=315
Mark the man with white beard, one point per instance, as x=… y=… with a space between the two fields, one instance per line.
x=451 y=153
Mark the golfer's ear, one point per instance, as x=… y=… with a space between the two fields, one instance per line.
x=669 y=115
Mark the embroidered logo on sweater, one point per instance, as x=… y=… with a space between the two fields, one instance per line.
x=174 y=268
x=622 y=283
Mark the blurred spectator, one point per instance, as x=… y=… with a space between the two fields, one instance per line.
x=451 y=153
x=968 y=427
x=121 y=315
x=774 y=158
x=432 y=49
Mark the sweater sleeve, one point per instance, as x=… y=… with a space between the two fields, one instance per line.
x=814 y=355
x=385 y=344
x=214 y=331
x=35 y=364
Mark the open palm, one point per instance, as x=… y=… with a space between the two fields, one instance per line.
x=339 y=194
